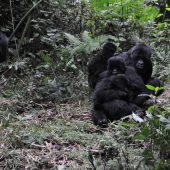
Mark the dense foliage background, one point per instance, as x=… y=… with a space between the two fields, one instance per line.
x=45 y=103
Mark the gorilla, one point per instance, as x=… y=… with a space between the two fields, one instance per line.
x=140 y=55
x=98 y=63
x=116 y=65
x=107 y=90
x=3 y=47
x=113 y=87
x=115 y=90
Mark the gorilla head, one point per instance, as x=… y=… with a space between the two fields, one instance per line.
x=141 y=51
x=141 y=56
x=3 y=47
x=108 y=49
x=116 y=65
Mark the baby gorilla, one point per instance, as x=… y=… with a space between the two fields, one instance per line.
x=3 y=47
x=113 y=87
x=136 y=84
x=114 y=92
x=108 y=89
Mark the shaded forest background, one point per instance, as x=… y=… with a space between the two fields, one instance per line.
x=45 y=101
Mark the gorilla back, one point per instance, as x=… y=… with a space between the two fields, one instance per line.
x=98 y=63
x=3 y=47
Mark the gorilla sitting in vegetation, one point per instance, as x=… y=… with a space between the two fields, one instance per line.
x=3 y=47
x=98 y=63
x=139 y=57
x=117 y=65
x=113 y=103
x=117 y=87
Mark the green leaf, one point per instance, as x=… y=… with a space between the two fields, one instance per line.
x=167 y=9
x=159 y=15
x=128 y=124
x=150 y=87
x=144 y=134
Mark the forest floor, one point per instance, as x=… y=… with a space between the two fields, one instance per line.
x=37 y=133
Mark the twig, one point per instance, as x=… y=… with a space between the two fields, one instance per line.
x=23 y=33
x=13 y=27
x=90 y=157
x=23 y=18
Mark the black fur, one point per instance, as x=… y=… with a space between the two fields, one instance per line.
x=98 y=63
x=136 y=84
x=114 y=92
x=3 y=47
x=141 y=56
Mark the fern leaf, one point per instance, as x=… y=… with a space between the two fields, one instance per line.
x=72 y=39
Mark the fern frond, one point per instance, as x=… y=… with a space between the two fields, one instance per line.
x=72 y=39
x=86 y=37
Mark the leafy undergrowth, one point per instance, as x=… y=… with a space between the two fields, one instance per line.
x=37 y=131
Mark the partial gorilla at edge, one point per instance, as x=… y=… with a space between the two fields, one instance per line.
x=3 y=47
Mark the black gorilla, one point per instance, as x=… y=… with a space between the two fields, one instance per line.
x=140 y=55
x=98 y=63
x=113 y=87
x=107 y=90
x=117 y=65
x=3 y=47
x=114 y=92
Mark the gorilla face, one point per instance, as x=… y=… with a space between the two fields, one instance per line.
x=116 y=66
x=140 y=64
x=141 y=55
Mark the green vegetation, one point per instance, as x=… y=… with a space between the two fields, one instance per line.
x=45 y=108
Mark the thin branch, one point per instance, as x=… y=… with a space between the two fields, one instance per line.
x=23 y=18
x=23 y=33
x=13 y=27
